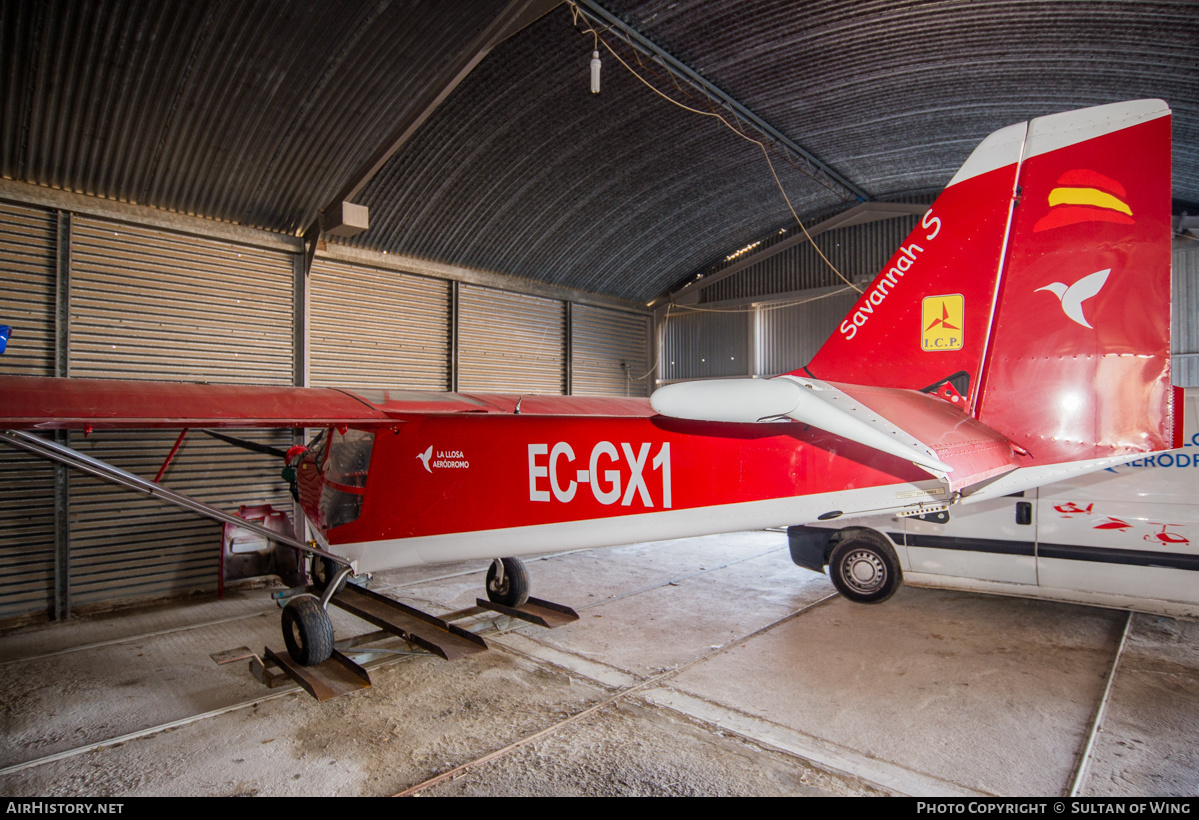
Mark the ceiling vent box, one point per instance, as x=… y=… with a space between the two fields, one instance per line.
x=345 y=219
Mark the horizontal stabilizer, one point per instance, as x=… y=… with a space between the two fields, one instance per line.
x=976 y=452
x=810 y=401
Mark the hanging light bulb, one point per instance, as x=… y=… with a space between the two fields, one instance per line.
x=595 y=72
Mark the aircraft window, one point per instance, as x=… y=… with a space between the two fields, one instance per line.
x=344 y=468
x=348 y=457
x=319 y=445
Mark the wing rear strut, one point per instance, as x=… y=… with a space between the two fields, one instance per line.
x=86 y=464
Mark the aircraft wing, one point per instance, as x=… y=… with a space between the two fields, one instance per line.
x=49 y=404
x=63 y=404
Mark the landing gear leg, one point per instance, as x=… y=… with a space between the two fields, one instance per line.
x=508 y=582
x=325 y=571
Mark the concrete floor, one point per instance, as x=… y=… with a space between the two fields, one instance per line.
x=699 y=666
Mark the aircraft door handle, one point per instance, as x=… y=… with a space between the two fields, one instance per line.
x=1024 y=512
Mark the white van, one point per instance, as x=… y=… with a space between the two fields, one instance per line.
x=1127 y=537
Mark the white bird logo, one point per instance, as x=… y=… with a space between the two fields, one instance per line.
x=1073 y=296
x=424 y=458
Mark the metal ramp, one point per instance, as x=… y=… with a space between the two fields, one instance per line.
x=421 y=629
x=421 y=632
x=335 y=677
x=535 y=611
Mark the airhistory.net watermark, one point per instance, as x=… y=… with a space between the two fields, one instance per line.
x=60 y=807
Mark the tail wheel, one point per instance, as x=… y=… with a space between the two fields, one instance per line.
x=324 y=571
x=307 y=631
x=513 y=588
x=864 y=570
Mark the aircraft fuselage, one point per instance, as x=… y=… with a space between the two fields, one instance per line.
x=449 y=487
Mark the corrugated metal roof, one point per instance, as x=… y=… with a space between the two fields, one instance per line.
x=523 y=170
x=246 y=112
x=896 y=94
x=258 y=112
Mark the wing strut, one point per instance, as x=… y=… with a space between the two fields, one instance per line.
x=100 y=469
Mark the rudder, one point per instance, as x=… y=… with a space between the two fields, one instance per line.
x=1040 y=281
x=1079 y=363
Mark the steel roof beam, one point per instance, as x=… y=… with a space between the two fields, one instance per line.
x=859 y=214
x=516 y=15
x=818 y=169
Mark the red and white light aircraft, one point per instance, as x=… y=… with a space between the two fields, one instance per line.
x=1021 y=334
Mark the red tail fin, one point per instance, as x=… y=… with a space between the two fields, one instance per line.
x=1040 y=281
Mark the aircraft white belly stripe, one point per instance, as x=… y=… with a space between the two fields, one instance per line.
x=375 y=556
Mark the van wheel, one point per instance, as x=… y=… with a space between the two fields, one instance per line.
x=864 y=570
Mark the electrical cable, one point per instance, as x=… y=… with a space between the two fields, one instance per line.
x=576 y=13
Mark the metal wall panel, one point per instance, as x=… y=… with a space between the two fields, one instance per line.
x=149 y=304
x=377 y=328
x=27 y=287
x=510 y=342
x=706 y=345
x=26 y=534
x=1185 y=364
x=609 y=352
x=125 y=546
x=792 y=333
x=27 y=275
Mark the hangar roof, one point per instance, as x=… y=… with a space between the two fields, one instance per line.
x=262 y=113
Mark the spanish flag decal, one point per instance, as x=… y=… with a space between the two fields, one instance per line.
x=1085 y=196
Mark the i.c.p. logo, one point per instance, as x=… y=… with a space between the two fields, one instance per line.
x=942 y=321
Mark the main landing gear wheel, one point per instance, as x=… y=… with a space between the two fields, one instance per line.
x=864 y=570
x=307 y=631
x=508 y=582
x=324 y=571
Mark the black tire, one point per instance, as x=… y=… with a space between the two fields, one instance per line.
x=865 y=569
x=324 y=571
x=515 y=589
x=307 y=631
